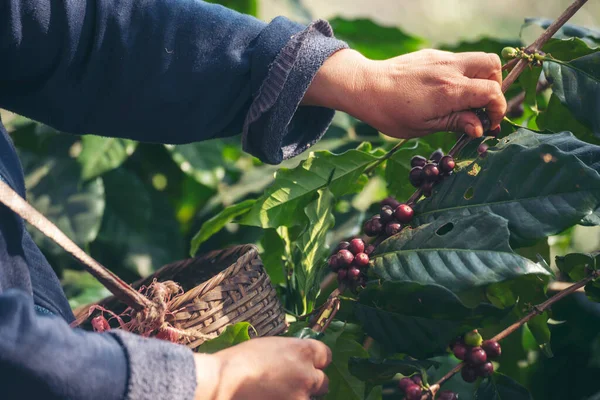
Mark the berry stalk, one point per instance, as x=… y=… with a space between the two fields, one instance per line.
x=539 y=309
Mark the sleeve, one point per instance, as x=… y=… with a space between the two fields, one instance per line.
x=42 y=357
x=163 y=71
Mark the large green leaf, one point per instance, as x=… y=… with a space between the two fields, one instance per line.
x=310 y=248
x=457 y=252
x=283 y=203
x=378 y=372
x=342 y=384
x=233 y=334
x=568 y=30
x=375 y=41
x=557 y=117
x=216 y=223
x=540 y=190
x=418 y=320
x=501 y=387
x=272 y=256
x=102 y=154
x=564 y=141
x=578 y=87
x=55 y=188
x=568 y=49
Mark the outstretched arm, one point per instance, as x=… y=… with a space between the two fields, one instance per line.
x=163 y=71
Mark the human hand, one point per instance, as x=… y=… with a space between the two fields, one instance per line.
x=414 y=94
x=264 y=368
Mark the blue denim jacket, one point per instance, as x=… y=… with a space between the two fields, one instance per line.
x=168 y=71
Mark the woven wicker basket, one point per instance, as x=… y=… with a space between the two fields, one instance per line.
x=220 y=288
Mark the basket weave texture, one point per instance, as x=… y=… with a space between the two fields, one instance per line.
x=221 y=288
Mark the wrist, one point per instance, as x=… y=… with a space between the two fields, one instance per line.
x=339 y=81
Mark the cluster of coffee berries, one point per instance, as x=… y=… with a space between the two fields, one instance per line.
x=412 y=387
x=351 y=261
x=476 y=353
x=426 y=172
x=390 y=220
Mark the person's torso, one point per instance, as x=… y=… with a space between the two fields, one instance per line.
x=22 y=264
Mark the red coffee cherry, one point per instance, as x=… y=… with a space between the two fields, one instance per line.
x=345 y=258
x=361 y=260
x=492 y=349
x=404 y=213
x=356 y=246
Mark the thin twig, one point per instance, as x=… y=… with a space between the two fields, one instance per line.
x=509 y=80
x=387 y=155
x=514 y=103
x=544 y=37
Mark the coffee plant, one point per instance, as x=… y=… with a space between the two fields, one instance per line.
x=432 y=267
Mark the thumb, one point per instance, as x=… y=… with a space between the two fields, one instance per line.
x=465 y=121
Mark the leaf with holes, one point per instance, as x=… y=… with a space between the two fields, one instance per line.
x=102 y=154
x=456 y=252
x=415 y=319
x=284 y=202
x=540 y=189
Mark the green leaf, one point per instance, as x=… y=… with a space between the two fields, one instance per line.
x=375 y=41
x=283 y=203
x=564 y=141
x=102 y=154
x=272 y=256
x=55 y=189
x=216 y=223
x=501 y=387
x=311 y=248
x=568 y=49
x=538 y=326
x=574 y=265
x=590 y=36
x=540 y=190
x=456 y=252
x=233 y=334
x=418 y=320
x=202 y=161
x=378 y=372
x=558 y=118
x=578 y=88
x=342 y=384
